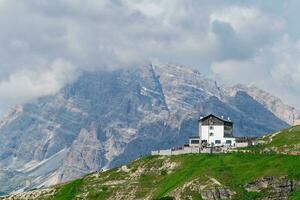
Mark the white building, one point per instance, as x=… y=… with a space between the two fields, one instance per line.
x=215 y=131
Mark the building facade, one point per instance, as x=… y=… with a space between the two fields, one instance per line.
x=216 y=131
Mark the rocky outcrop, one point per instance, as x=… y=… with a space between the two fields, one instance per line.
x=210 y=189
x=85 y=155
x=276 y=188
x=31 y=195
x=217 y=193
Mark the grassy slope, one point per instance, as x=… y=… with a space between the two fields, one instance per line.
x=69 y=190
x=285 y=141
x=232 y=170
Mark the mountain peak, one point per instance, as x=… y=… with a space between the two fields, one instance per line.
x=119 y=116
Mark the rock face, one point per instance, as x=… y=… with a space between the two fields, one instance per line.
x=35 y=194
x=272 y=103
x=277 y=188
x=86 y=152
x=210 y=189
x=107 y=118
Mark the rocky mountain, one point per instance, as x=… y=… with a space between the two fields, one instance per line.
x=283 y=111
x=107 y=118
x=191 y=176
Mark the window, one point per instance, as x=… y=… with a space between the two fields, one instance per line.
x=217 y=141
x=211 y=134
x=195 y=141
x=228 y=141
x=228 y=131
x=211 y=128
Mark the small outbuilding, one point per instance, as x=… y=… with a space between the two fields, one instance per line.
x=245 y=141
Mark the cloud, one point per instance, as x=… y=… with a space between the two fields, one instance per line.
x=259 y=46
x=275 y=68
x=230 y=46
x=243 y=31
x=26 y=85
x=46 y=44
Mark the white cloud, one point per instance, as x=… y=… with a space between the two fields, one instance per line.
x=25 y=85
x=42 y=41
x=249 y=20
x=275 y=68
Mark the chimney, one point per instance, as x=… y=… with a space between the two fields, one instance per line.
x=228 y=118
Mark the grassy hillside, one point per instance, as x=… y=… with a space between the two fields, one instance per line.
x=261 y=174
x=286 y=141
x=199 y=176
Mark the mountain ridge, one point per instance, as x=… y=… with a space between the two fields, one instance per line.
x=285 y=112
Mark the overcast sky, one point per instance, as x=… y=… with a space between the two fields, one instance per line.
x=45 y=44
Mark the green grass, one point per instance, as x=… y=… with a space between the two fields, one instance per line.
x=288 y=136
x=69 y=190
x=99 y=194
x=295 y=195
x=286 y=141
x=232 y=170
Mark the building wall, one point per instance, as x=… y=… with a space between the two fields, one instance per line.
x=241 y=144
x=169 y=152
x=218 y=134
x=166 y=152
x=191 y=144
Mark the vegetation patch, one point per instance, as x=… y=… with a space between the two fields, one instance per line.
x=286 y=141
x=69 y=190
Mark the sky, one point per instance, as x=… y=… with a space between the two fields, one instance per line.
x=47 y=44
